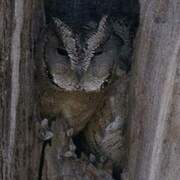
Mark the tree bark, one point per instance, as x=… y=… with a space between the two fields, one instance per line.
x=154 y=133
x=19 y=146
x=154 y=118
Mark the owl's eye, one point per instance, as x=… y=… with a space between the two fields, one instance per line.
x=99 y=51
x=62 y=52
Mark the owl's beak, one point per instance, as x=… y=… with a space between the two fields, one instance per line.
x=79 y=74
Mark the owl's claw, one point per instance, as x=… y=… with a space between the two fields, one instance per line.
x=70 y=132
x=45 y=132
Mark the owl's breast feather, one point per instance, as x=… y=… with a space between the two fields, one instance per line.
x=76 y=107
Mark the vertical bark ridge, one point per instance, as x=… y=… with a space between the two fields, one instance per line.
x=15 y=63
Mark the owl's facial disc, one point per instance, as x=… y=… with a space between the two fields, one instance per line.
x=95 y=78
x=76 y=65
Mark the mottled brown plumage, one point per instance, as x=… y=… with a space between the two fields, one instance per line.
x=77 y=69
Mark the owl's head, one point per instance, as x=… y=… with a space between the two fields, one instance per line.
x=83 y=59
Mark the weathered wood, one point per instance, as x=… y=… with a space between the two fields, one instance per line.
x=154 y=118
x=154 y=148
x=19 y=146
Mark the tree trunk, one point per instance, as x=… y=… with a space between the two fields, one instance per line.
x=19 y=146
x=154 y=119
x=154 y=133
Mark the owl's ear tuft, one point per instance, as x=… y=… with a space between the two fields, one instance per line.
x=97 y=39
x=65 y=33
x=61 y=27
x=57 y=22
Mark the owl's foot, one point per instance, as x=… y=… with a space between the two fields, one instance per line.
x=71 y=150
x=45 y=132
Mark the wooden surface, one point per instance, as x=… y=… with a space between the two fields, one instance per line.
x=154 y=116
x=154 y=148
x=19 y=146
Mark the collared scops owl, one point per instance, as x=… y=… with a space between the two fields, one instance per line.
x=83 y=81
x=86 y=58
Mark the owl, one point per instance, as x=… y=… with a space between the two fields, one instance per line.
x=87 y=58
x=80 y=70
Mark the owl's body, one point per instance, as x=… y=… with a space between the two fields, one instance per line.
x=81 y=82
x=76 y=107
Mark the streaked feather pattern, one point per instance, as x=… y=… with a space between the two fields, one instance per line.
x=69 y=41
x=95 y=41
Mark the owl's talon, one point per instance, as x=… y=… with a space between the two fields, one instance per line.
x=45 y=133
x=92 y=158
x=44 y=123
x=103 y=159
x=70 y=132
x=69 y=154
x=72 y=147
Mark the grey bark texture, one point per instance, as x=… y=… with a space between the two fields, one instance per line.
x=154 y=131
x=154 y=118
x=19 y=147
